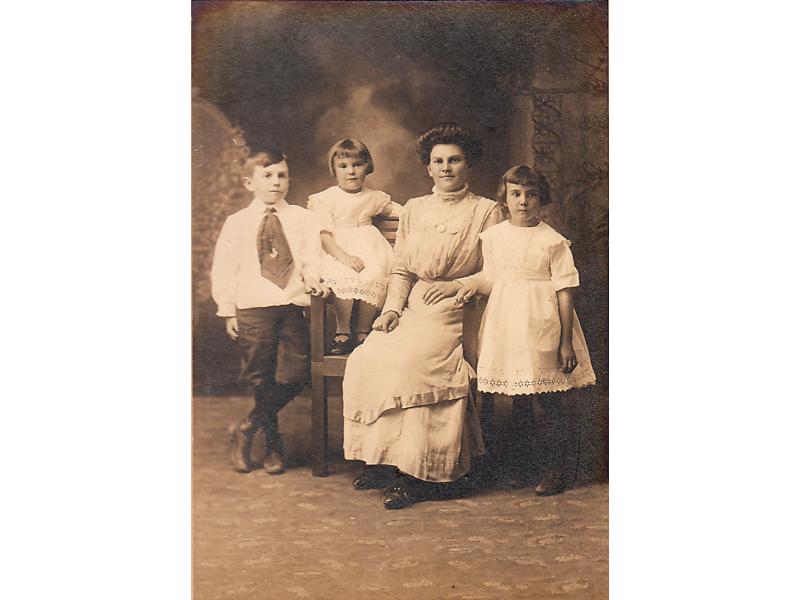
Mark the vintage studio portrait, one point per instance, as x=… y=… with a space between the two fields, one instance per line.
x=400 y=300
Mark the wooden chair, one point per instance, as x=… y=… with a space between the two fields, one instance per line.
x=324 y=366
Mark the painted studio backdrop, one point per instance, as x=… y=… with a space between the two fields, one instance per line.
x=530 y=79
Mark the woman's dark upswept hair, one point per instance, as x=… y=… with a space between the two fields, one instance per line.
x=524 y=175
x=448 y=133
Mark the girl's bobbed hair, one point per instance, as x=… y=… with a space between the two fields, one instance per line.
x=524 y=175
x=349 y=148
x=448 y=133
x=270 y=156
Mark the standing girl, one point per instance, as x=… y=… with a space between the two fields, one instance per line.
x=531 y=343
x=357 y=257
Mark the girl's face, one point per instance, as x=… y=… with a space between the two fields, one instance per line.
x=523 y=204
x=269 y=184
x=350 y=173
x=448 y=167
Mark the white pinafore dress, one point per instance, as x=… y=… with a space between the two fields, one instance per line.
x=521 y=330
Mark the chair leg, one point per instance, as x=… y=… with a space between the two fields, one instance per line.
x=319 y=425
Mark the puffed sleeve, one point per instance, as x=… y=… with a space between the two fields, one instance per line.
x=385 y=207
x=562 y=267
x=323 y=211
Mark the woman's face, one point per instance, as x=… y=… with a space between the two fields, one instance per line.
x=448 y=167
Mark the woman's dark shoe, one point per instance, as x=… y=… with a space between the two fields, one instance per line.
x=551 y=484
x=342 y=344
x=402 y=494
x=408 y=490
x=241 y=442
x=375 y=477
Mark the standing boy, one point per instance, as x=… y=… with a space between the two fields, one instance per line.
x=264 y=268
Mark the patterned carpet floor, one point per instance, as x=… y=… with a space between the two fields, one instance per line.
x=257 y=536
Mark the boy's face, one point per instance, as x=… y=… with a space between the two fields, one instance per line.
x=269 y=184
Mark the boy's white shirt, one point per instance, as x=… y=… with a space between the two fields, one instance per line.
x=236 y=280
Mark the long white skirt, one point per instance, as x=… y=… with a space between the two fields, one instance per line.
x=406 y=395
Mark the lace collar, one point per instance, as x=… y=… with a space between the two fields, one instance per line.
x=451 y=197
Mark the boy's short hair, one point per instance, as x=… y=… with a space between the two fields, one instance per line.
x=349 y=148
x=448 y=133
x=270 y=156
x=524 y=175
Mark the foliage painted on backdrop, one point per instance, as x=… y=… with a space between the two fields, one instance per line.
x=218 y=152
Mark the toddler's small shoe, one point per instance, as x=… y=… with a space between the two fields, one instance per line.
x=342 y=344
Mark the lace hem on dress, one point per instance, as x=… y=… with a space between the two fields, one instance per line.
x=373 y=292
x=513 y=383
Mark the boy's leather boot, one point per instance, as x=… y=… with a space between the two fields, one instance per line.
x=273 y=458
x=241 y=442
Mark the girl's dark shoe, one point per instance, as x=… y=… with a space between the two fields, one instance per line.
x=342 y=344
x=551 y=484
x=375 y=477
x=512 y=481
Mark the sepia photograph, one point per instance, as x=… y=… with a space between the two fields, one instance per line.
x=314 y=300
x=399 y=300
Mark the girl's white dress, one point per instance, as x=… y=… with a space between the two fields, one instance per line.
x=521 y=329
x=349 y=218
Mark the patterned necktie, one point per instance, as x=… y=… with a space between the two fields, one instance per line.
x=274 y=253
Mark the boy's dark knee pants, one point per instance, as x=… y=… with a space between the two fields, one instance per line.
x=275 y=355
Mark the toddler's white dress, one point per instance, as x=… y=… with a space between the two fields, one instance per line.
x=521 y=329
x=349 y=218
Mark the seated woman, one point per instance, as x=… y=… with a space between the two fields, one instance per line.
x=407 y=405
